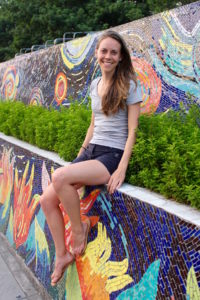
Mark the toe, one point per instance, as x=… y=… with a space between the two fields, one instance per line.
x=60 y=267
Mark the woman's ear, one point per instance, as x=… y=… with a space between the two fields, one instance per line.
x=96 y=52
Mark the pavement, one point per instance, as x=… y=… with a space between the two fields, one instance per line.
x=16 y=279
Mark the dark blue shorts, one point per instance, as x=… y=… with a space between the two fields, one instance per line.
x=109 y=156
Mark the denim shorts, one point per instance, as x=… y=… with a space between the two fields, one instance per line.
x=109 y=156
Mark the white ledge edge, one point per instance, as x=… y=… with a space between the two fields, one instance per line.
x=185 y=212
x=44 y=153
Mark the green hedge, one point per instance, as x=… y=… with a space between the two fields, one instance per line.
x=166 y=157
x=60 y=131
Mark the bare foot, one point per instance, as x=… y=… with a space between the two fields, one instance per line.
x=62 y=262
x=79 y=241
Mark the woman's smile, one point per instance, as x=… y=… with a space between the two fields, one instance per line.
x=108 y=54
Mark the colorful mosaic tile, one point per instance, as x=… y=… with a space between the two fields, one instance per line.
x=135 y=250
x=165 y=52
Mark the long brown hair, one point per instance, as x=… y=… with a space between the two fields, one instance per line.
x=116 y=96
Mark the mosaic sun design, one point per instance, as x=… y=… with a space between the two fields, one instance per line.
x=10 y=83
x=98 y=275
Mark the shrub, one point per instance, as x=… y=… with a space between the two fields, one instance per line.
x=165 y=158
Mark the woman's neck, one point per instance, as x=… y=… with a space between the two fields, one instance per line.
x=106 y=78
x=104 y=84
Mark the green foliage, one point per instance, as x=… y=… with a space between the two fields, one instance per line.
x=165 y=158
x=61 y=131
x=25 y=23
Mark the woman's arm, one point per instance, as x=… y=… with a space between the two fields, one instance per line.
x=88 y=136
x=118 y=176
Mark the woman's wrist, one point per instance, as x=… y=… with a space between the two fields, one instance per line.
x=83 y=147
x=123 y=166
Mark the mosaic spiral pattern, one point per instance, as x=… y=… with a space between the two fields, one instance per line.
x=135 y=250
x=150 y=84
x=10 y=83
x=60 y=87
x=174 y=55
x=36 y=97
x=165 y=50
x=74 y=52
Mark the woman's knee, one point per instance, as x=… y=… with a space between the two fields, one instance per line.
x=60 y=178
x=44 y=203
x=49 y=199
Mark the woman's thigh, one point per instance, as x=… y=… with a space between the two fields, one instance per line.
x=90 y=172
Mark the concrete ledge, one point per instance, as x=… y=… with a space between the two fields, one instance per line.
x=183 y=211
x=47 y=154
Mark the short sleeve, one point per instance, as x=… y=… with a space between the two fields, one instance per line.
x=93 y=86
x=135 y=94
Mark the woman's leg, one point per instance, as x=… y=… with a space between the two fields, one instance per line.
x=50 y=206
x=90 y=172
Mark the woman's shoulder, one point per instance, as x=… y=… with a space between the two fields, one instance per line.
x=135 y=93
x=132 y=84
x=94 y=83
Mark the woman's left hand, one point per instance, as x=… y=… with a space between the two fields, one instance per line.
x=116 y=180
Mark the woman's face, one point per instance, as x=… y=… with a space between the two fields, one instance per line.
x=108 y=55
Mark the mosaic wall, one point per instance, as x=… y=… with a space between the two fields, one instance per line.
x=165 y=50
x=135 y=251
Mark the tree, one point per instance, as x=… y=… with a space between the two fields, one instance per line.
x=24 y=22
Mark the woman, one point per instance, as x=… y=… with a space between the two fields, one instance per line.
x=106 y=150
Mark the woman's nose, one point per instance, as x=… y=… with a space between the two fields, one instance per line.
x=108 y=55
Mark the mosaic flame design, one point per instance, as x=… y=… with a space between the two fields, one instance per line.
x=85 y=206
x=45 y=177
x=6 y=175
x=135 y=250
x=10 y=83
x=6 y=185
x=24 y=208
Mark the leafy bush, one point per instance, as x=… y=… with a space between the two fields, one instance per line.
x=60 y=131
x=166 y=156
x=165 y=159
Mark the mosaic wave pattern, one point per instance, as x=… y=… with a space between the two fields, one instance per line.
x=165 y=52
x=135 y=251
